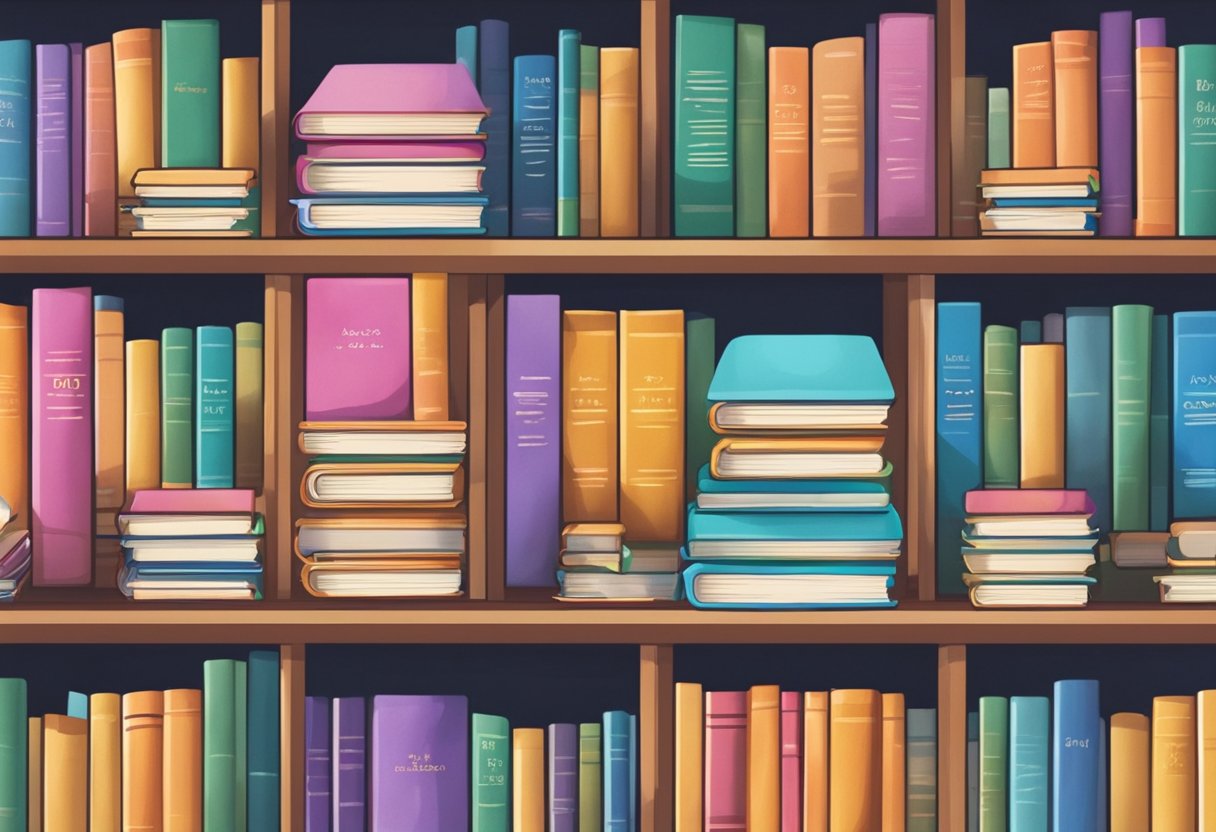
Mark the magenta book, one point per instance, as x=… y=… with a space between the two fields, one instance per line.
x=62 y=454
x=1029 y=501
x=725 y=761
x=420 y=764
x=791 y=761
x=416 y=152
x=192 y=501
x=357 y=349
x=906 y=130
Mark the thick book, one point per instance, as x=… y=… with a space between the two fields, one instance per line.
x=494 y=84
x=589 y=416
x=922 y=769
x=590 y=777
x=1000 y=407
x=16 y=132
x=1029 y=733
x=491 y=805
x=569 y=43
x=110 y=418
x=907 y=147
x=241 y=116
x=221 y=680
x=894 y=762
x=1159 y=427
x=700 y=353
x=751 y=132
x=1041 y=416
x=794 y=108
x=104 y=712
x=1174 y=786
x=562 y=748
x=263 y=738
x=466 y=50
x=182 y=800
x=214 y=417
x=815 y=761
x=1116 y=93
x=1075 y=66
x=1033 y=105
x=1194 y=402
x=725 y=749
x=14 y=408
x=1196 y=152
x=190 y=93
x=100 y=177
x=620 y=69
x=1131 y=340
x=994 y=763
x=533 y=147
x=53 y=154
x=620 y=771
x=177 y=391
x=703 y=189
x=855 y=765
x=965 y=196
x=317 y=766
x=1074 y=754
x=589 y=141
x=61 y=524
x=689 y=757
x=870 y=119
x=528 y=780
x=998 y=128
x=725 y=535
x=249 y=404
x=1156 y=140
x=764 y=757
x=1129 y=772
x=65 y=773
x=143 y=724
x=419 y=763
x=349 y=761
x=959 y=433
x=137 y=104
x=13 y=751
x=381 y=216
x=1087 y=362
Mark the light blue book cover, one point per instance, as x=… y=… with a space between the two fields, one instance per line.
x=881 y=525
x=533 y=139
x=693 y=573
x=466 y=50
x=1194 y=406
x=802 y=368
x=569 y=75
x=494 y=84
x=1159 y=427
x=213 y=408
x=618 y=769
x=1029 y=724
x=1074 y=756
x=852 y=485
x=1030 y=332
x=959 y=424
x=16 y=132
x=78 y=705
x=1088 y=411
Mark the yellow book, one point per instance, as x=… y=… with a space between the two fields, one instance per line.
x=690 y=755
x=1129 y=781
x=764 y=758
x=1042 y=416
x=143 y=721
x=143 y=414
x=242 y=116
x=65 y=774
x=619 y=171
x=34 y=781
x=1206 y=712
x=15 y=410
x=589 y=143
x=109 y=424
x=815 y=761
x=528 y=779
x=429 y=331
x=894 y=763
x=136 y=103
x=589 y=416
x=855 y=767
x=249 y=405
x=105 y=762
x=1174 y=788
x=652 y=500
x=182 y=784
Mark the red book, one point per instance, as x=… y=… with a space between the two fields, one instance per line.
x=100 y=172
x=1028 y=501
x=791 y=761
x=726 y=761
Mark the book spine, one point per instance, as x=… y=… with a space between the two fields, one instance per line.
x=213 y=408
x=14 y=753
x=700 y=354
x=1075 y=64
x=589 y=141
x=100 y=184
x=190 y=93
x=725 y=792
x=1196 y=151
x=1041 y=419
x=105 y=762
x=1103 y=820
x=998 y=128
x=249 y=405
x=15 y=132
x=349 y=776
x=136 y=103
x=1087 y=362
x=1205 y=723
x=894 y=763
x=317 y=765
x=1194 y=407
x=1156 y=141
x=240 y=118
x=994 y=771
x=429 y=331
x=1131 y=340
x=619 y=165
x=751 y=131
x=1159 y=427
x=34 y=775
x=62 y=519
x=975 y=151
x=815 y=762
x=466 y=50
x=569 y=70
x=618 y=760
x=240 y=722
x=533 y=196
x=764 y=758
x=690 y=755
x=263 y=739
x=492 y=774
x=959 y=447
x=1030 y=332
x=177 y=407
x=906 y=132
x=66 y=773
x=110 y=419
x=14 y=408
x=1053 y=328
x=219 y=744
x=590 y=779
x=76 y=138
x=143 y=441
x=1034 y=132
x=1074 y=758
x=1129 y=772
x=52 y=156
x=1174 y=787
x=183 y=755
x=789 y=142
x=704 y=127
x=528 y=780
x=143 y=725
x=1117 y=95
x=973 y=771
x=494 y=84
x=590 y=478
x=870 y=122
x=855 y=766
x=1000 y=407
x=563 y=777
x=922 y=770
x=1028 y=740
x=837 y=167
x=533 y=462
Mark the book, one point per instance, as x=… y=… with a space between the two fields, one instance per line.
x=998 y=127
x=16 y=131
x=366 y=216
x=1041 y=419
x=1030 y=332
x=35 y=774
x=1156 y=139
x=1115 y=149
x=922 y=769
x=906 y=142
x=794 y=534
x=782 y=457
x=220 y=715
x=137 y=103
x=328 y=538
x=815 y=761
x=894 y=762
x=466 y=50
x=492 y=773
x=764 y=758
x=562 y=748
x=569 y=73
x=249 y=405
x=1196 y=180
x=143 y=725
x=1001 y=407
x=183 y=757
x=959 y=434
x=240 y=118
x=1131 y=339
x=143 y=429
x=533 y=136
x=1194 y=464
x=494 y=83
x=1075 y=69
x=590 y=778
x=177 y=407
x=589 y=142
x=619 y=148
x=1129 y=772
x=100 y=180
x=794 y=109
x=61 y=524
x=994 y=756
x=429 y=331
x=14 y=751
x=214 y=419
x=973 y=771
x=349 y=762
x=76 y=138
x=353 y=483
x=700 y=352
x=606 y=585
x=975 y=155
x=53 y=153
x=190 y=93
x=317 y=766
x=1034 y=131
x=105 y=761
x=109 y=424
x=690 y=724
x=405 y=729
x=1074 y=755
x=1029 y=721
x=1159 y=426
x=528 y=780
x=263 y=739
x=725 y=792
x=751 y=131
x=1174 y=783
x=1087 y=462
x=1205 y=714
x=14 y=407
x=703 y=188
x=589 y=416
x=65 y=773
x=855 y=751
x=619 y=731
x=870 y=176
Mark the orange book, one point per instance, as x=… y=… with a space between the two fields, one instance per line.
x=764 y=758
x=1041 y=420
x=690 y=756
x=100 y=175
x=589 y=143
x=1205 y=705
x=1156 y=141
x=242 y=115
x=619 y=171
x=789 y=152
x=136 y=103
x=143 y=414
x=34 y=781
x=65 y=773
x=109 y=425
x=815 y=762
x=589 y=416
x=105 y=762
x=1075 y=60
x=652 y=424
x=528 y=780
x=894 y=763
x=182 y=782
x=15 y=410
x=838 y=125
x=143 y=723
x=1174 y=763
x=855 y=767
x=1034 y=131
x=429 y=330
x=1129 y=780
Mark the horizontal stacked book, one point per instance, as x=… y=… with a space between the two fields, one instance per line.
x=796 y=509
x=1059 y=202
x=15 y=558
x=1191 y=555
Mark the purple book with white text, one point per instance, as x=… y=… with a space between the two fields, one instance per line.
x=349 y=781
x=1116 y=93
x=76 y=120
x=907 y=176
x=420 y=763
x=534 y=417
x=317 y=764
x=563 y=777
x=52 y=156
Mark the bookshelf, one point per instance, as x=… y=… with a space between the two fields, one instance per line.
x=479 y=270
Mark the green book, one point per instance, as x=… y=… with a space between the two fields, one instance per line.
x=240 y=774
x=491 y=773
x=1030 y=332
x=263 y=739
x=994 y=763
x=190 y=93
x=1159 y=427
x=589 y=191
x=219 y=744
x=1000 y=407
x=177 y=407
x=751 y=133
x=1196 y=150
x=14 y=736
x=998 y=127
x=590 y=779
x=704 y=127
x=569 y=75
x=1132 y=346
x=699 y=359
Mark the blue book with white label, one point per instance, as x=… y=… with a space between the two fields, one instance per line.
x=1194 y=415
x=213 y=403
x=959 y=432
x=15 y=132
x=1088 y=413
x=569 y=76
x=1074 y=757
x=1028 y=739
x=533 y=140
x=466 y=51
x=494 y=84
x=619 y=767
x=1159 y=427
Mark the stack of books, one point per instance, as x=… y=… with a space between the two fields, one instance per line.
x=416 y=764
x=15 y=557
x=1057 y=202
x=392 y=149
x=808 y=522
x=1028 y=547
x=595 y=564
x=378 y=436
x=1191 y=554
x=195 y=202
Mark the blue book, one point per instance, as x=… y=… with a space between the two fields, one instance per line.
x=870 y=223
x=569 y=76
x=1074 y=755
x=959 y=431
x=1029 y=720
x=213 y=408
x=466 y=50
x=619 y=766
x=1088 y=413
x=1030 y=332
x=1194 y=406
x=884 y=571
x=533 y=136
x=16 y=131
x=1159 y=427
x=262 y=776
x=78 y=705
x=791 y=526
x=802 y=368
x=633 y=773
x=494 y=84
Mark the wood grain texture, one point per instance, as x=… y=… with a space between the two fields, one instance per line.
x=657 y=737
x=278 y=487
x=496 y=437
x=952 y=738
x=655 y=105
x=920 y=517
x=274 y=175
x=479 y=485
x=291 y=736
x=895 y=356
x=951 y=39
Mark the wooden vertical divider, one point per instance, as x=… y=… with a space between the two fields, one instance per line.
x=952 y=738
x=921 y=510
x=951 y=94
x=656 y=737
x=655 y=105
x=278 y=440
x=274 y=177
x=479 y=487
x=896 y=447
x=495 y=304
x=291 y=737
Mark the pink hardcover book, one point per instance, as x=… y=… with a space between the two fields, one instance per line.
x=726 y=761
x=191 y=501
x=419 y=152
x=1029 y=501
x=906 y=126
x=62 y=454
x=791 y=761
x=357 y=349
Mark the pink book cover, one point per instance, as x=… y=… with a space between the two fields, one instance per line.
x=791 y=761
x=907 y=176
x=409 y=152
x=726 y=761
x=192 y=501
x=1029 y=501
x=62 y=453
x=357 y=349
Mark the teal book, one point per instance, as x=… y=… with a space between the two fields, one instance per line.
x=699 y=353
x=998 y=127
x=712 y=526
x=14 y=760
x=921 y=769
x=1001 y=396
x=214 y=408
x=994 y=764
x=190 y=93
x=1196 y=149
x=1087 y=419
x=619 y=765
x=78 y=705
x=491 y=773
x=802 y=368
x=958 y=425
x=1131 y=350
x=1194 y=406
x=1030 y=332
x=466 y=50
x=177 y=407
x=751 y=132
x=590 y=778
x=1029 y=721
x=569 y=75
x=219 y=744
x=973 y=771
x=704 y=126
x=263 y=740
x=240 y=722
x=1159 y=427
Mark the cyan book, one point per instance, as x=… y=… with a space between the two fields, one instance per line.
x=214 y=408
x=1194 y=410
x=802 y=368
x=882 y=525
x=704 y=126
x=190 y=93
x=1196 y=149
x=16 y=58
x=959 y=423
x=534 y=134
x=1029 y=723
x=620 y=744
x=1074 y=757
x=1088 y=411
x=466 y=50
x=569 y=74
x=491 y=773
x=1159 y=427
x=494 y=84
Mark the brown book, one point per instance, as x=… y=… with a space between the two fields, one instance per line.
x=1075 y=58
x=528 y=780
x=838 y=147
x=137 y=96
x=143 y=722
x=1034 y=132
x=855 y=768
x=1038 y=176
x=242 y=117
x=789 y=152
x=429 y=331
x=34 y=781
x=65 y=773
x=183 y=757
x=100 y=173
x=589 y=416
x=619 y=170
x=894 y=763
x=1156 y=141
x=975 y=155
x=764 y=758
x=815 y=762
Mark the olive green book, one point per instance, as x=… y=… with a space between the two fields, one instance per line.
x=590 y=779
x=1000 y=407
x=177 y=407
x=994 y=763
x=751 y=132
x=1131 y=340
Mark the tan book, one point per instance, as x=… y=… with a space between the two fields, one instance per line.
x=815 y=761
x=855 y=768
x=690 y=756
x=1075 y=59
x=109 y=425
x=528 y=781
x=429 y=332
x=894 y=763
x=137 y=97
x=589 y=416
x=764 y=758
x=242 y=116
x=1041 y=420
x=1129 y=772
x=838 y=145
x=1156 y=141
x=1034 y=132
x=143 y=721
x=789 y=141
x=619 y=148
x=143 y=414
x=182 y=784
x=65 y=774
x=1174 y=785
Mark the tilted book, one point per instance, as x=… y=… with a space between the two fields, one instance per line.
x=420 y=763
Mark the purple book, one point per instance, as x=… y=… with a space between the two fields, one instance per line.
x=77 y=135
x=1150 y=31
x=317 y=764
x=349 y=764
x=420 y=763
x=534 y=417
x=563 y=777
x=1116 y=140
x=53 y=158
x=907 y=178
